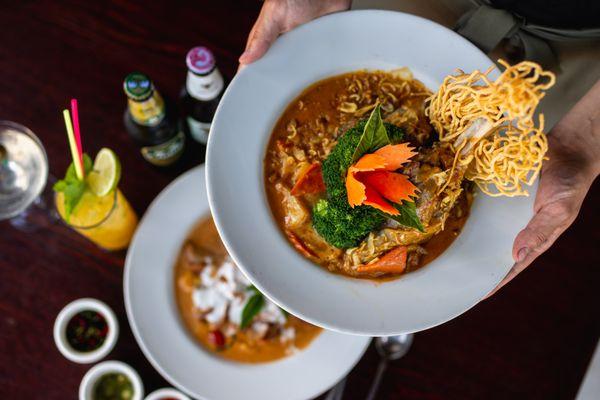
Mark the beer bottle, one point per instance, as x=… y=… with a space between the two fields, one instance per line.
x=151 y=121
x=203 y=89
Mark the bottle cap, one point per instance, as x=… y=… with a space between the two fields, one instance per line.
x=138 y=86
x=200 y=60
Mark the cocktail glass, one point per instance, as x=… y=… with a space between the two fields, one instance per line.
x=109 y=221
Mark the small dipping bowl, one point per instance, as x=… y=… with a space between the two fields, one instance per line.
x=93 y=376
x=68 y=313
x=167 y=394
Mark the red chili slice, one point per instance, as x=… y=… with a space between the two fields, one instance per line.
x=310 y=180
x=216 y=338
x=299 y=244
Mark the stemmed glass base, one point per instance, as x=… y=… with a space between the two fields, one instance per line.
x=40 y=214
x=25 y=186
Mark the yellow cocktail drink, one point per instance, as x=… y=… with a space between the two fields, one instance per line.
x=109 y=221
x=88 y=198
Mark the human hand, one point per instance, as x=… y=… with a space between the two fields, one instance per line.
x=279 y=16
x=572 y=166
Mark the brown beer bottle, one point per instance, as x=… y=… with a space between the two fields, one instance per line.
x=203 y=89
x=151 y=121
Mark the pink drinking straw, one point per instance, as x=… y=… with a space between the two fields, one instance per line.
x=75 y=114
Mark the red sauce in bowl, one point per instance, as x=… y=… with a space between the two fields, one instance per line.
x=87 y=331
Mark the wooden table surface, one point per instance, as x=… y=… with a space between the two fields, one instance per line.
x=533 y=340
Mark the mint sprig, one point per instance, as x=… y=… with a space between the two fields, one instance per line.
x=72 y=187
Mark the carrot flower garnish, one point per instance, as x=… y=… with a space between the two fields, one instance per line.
x=372 y=181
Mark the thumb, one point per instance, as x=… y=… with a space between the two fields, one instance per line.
x=542 y=231
x=533 y=240
x=263 y=34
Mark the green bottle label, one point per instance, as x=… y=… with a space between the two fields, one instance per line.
x=165 y=153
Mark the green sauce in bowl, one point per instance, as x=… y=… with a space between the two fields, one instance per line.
x=113 y=386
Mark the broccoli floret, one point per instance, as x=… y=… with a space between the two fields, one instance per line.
x=339 y=224
x=344 y=227
x=337 y=163
x=395 y=133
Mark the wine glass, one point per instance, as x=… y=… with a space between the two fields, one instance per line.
x=23 y=178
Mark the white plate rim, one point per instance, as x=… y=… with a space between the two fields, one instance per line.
x=358 y=345
x=523 y=206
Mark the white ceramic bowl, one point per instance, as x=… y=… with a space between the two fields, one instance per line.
x=250 y=107
x=86 y=388
x=68 y=312
x=158 y=329
x=165 y=393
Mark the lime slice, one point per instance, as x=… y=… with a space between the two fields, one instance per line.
x=105 y=173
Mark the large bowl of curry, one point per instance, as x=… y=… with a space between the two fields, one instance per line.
x=303 y=140
x=347 y=267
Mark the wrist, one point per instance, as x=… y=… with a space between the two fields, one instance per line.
x=577 y=134
x=580 y=147
x=331 y=6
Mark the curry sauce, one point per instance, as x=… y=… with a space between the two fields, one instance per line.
x=242 y=345
x=307 y=132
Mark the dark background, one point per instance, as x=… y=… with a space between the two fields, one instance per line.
x=533 y=340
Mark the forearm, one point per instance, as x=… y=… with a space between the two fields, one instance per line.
x=577 y=135
x=335 y=5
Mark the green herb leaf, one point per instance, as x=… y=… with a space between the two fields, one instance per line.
x=60 y=186
x=252 y=308
x=285 y=313
x=395 y=133
x=87 y=163
x=71 y=186
x=73 y=192
x=408 y=215
x=252 y=288
x=374 y=136
x=87 y=167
